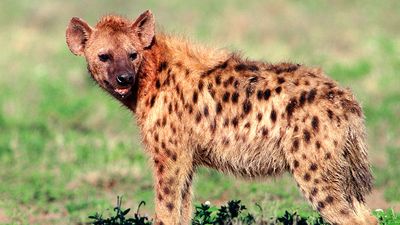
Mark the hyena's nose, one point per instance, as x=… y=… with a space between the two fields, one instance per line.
x=124 y=79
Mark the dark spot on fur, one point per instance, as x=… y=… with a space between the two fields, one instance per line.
x=169 y=108
x=328 y=155
x=278 y=89
x=236 y=84
x=235 y=97
x=195 y=97
x=247 y=125
x=226 y=122
x=302 y=98
x=225 y=141
x=190 y=109
x=330 y=114
x=296 y=163
x=152 y=101
x=307 y=177
x=212 y=70
x=267 y=94
x=166 y=190
x=344 y=212
x=200 y=85
x=174 y=156
x=198 y=117
x=313 y=167
x=170 y=206
x=314 y=191
x=235 y=121
x=228 y=81
x=218 y=108
x=296 y=128
x=306 y=136
x=311 y=95
x=329 y=199
x=159 y=197
x=273 y=116
x=259 y=94
x=226 y=96
x=249 y=91
x=318 y=145
x=158 y=84
x=283 y=68
x=296 y=144
x=242 y=67
x=320 y=205
x=315 y=123
x=281 y=80
x=290 y=107
x=247 y=106
x=264 y=131
x=206 y=111
x=218 y=80
x=259 y=116
x=163 y=65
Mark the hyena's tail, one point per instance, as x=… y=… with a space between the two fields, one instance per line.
x=358 y=174
x=358 y=177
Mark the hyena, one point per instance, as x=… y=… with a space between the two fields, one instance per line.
x=197 y=106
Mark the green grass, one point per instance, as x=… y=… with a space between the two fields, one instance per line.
x=67 y=149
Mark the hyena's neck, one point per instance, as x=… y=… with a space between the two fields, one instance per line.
x=167 y=60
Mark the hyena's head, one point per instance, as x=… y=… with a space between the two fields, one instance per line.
x=113 y=49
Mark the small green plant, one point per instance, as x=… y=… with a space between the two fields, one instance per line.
x=387 y=217
x=120 y=217
x=232 y=213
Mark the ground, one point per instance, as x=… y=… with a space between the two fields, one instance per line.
x=67 y=149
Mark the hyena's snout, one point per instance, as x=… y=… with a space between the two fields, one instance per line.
x=121 y=78
x=125 y=79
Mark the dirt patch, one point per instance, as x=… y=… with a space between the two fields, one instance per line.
x=3 y=217
x=376 y=200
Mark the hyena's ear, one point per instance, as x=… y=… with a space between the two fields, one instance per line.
x=144 y=27
x=77 y=34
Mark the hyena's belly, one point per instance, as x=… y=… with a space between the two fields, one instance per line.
x=250 y=159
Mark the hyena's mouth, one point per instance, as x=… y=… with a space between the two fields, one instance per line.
x=120 y=92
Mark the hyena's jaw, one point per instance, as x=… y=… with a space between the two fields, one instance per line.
x=117 y=92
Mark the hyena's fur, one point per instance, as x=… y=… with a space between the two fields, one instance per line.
x=204 y=107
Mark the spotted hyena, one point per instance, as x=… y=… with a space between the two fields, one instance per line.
x=204 y=107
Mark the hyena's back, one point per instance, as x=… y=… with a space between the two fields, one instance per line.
x=256 y=120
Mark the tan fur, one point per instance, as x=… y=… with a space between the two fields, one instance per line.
x=204 y=107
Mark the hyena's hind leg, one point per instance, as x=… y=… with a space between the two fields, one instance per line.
x=329 y=199
x=333 y=175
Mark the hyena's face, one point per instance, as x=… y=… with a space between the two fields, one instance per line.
x=113 y=49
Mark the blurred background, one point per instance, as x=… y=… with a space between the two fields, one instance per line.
x=68 y=150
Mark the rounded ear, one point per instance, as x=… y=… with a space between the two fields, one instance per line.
x=144 y=27
x=77 y=34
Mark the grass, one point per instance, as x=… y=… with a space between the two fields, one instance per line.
x=67 y=149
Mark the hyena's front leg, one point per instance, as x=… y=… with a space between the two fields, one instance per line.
x=171 y=171
x=186 y=213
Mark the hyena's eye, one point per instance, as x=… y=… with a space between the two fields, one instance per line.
x=104 y=57
x=133 y=56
